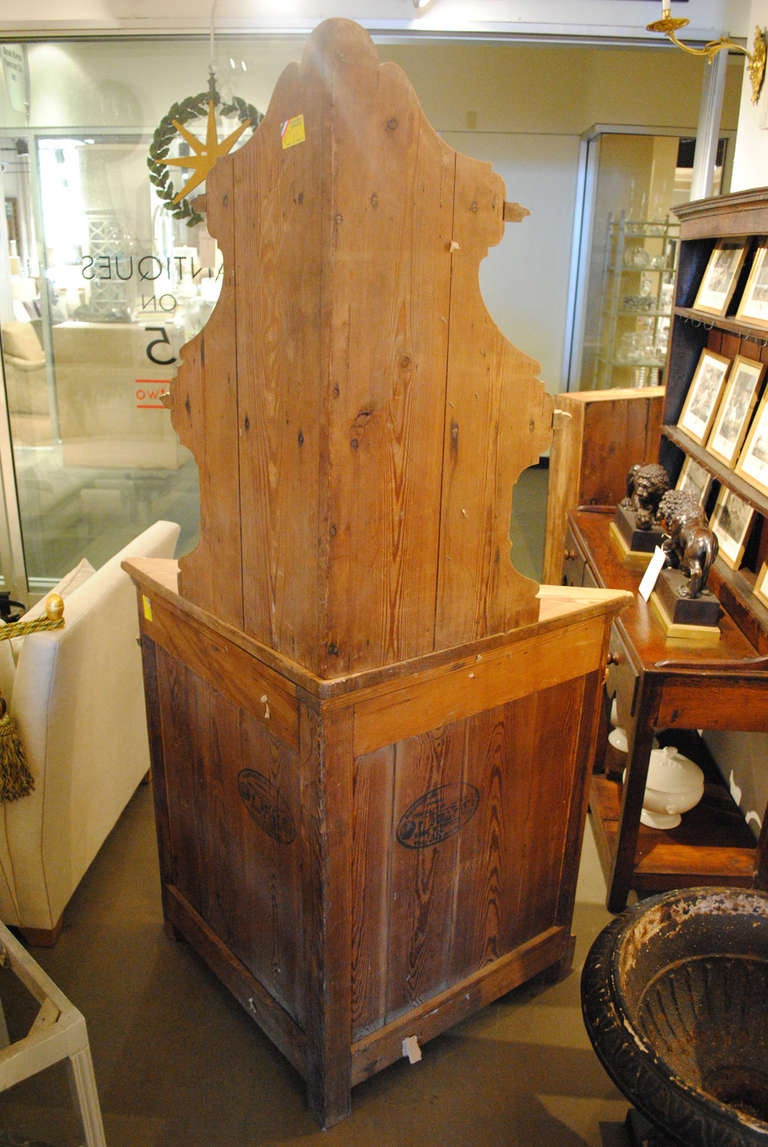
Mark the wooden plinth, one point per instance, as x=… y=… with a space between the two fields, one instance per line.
x=376 y=857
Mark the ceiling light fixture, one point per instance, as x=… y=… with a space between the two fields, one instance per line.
x=422 y=4
x=669 y=25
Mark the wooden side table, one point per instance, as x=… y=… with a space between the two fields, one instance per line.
x=661 y=684
x=58 y=1032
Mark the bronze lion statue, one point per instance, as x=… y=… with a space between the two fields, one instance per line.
x=646 y=485
x=689 y=544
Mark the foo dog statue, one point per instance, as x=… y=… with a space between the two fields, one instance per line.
x=646 y=485
x=689 y=544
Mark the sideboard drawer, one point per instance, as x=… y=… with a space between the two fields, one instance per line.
x=574 y=563
x=622 y=678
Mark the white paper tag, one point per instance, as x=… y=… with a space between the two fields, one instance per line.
x=411 y=1049
x=651 y=575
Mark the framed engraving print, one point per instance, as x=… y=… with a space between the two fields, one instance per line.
x=735 y=409
x=753 y=460
x=731 y=520
x=753 y=307
x=761 y=584
x=703 y=395
x=719 y=280
x=694 y=480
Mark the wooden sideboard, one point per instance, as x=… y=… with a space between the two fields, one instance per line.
x=665 y=686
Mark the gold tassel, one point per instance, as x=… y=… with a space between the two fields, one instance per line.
x=15 y=778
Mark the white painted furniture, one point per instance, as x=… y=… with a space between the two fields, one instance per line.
x=58 y=1032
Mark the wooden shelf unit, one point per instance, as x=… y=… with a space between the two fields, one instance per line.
x=665 y=686
x=638 y=272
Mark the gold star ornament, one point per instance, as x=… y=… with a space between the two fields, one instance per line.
x=205 y=154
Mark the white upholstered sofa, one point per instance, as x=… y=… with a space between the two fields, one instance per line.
x=77 y=697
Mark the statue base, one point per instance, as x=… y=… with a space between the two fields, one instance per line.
x=689 y=618
x=635 y=545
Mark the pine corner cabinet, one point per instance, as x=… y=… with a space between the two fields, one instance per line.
x=371 y=736
x=669 y=687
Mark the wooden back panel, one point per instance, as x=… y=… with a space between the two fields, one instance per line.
x=379 y=419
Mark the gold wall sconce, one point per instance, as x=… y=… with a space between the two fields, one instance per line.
x=669 y=25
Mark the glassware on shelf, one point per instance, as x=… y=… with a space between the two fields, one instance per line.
x=637 y=258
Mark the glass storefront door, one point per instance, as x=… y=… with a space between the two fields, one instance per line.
x=104 y=293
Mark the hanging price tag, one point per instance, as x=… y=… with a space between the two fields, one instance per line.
x=651 y=575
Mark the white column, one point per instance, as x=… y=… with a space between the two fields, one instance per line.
x=708 y=130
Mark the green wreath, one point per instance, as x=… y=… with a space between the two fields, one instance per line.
x=193 y=107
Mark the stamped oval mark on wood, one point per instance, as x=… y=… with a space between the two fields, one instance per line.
x=266 y=805
x=437 y=815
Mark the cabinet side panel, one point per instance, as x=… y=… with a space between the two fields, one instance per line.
x=233 y=828
x=460 y=839
x=616 y=436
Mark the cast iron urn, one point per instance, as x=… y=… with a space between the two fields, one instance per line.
x=675 y=1000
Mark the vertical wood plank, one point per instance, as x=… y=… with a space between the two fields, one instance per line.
x=282 y=237
x=162 y=801
x=598 y=436
x=233 y=829
x=373 y=834
x=565 y=469
x=498 y=422
x=326 y=830
x=428 y=783
x=548 y=789
x=494 y=845
x=393 y=201
x=204 y=415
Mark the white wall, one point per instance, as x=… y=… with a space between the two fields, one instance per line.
x=524 y=280
x=750 y=164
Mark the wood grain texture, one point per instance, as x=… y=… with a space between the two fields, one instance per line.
x=352 y=897
x=204 y=413
x=371 y=764
x=233 y=863
x=372 y=420
x=665 y=684
x=598 y=436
